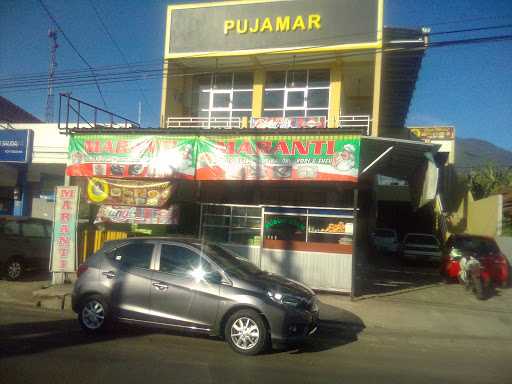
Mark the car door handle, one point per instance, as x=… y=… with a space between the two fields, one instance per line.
x=161 y=286
x=110 y=274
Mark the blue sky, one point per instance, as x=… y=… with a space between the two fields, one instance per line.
x=467 y=86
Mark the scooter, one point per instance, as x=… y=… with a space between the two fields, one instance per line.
x=473 y=276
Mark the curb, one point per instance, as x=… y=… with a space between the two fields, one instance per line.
x=395 y=293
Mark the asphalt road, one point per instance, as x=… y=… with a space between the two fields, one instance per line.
x=39 y=346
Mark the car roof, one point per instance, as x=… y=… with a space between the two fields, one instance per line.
x=468 y=235
x=421 y=234
x=179 y=238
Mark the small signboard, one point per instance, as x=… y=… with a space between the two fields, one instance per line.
x=63 y=255
x=288 y=122
x=15 y=145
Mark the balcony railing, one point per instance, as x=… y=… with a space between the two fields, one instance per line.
x=204 y=122
x=356 y=122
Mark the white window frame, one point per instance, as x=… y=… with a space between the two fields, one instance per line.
x=309 y=112
x=212 y=91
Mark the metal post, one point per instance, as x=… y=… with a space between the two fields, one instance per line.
x=354 y=245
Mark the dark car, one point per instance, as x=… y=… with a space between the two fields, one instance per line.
x=25 y=245
x=186 y=284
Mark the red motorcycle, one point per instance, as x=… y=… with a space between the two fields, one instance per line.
x=474 y=276
x=493 y=263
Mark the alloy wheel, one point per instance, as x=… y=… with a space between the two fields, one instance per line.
x=93 y=315
x=245 y=333
x=14 y=270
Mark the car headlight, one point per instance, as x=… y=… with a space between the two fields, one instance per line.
x=284 y=299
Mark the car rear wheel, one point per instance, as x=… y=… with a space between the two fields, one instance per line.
x=247 y=333
x=14 y=269
x=94 y=314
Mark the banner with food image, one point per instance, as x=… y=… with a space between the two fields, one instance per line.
x=287 y=157
x=128 y=192
x=137 y=215
x=133 y=156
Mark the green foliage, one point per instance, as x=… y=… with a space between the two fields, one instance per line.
x=489 y=180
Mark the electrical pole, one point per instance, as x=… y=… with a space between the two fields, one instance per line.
x=52 y=35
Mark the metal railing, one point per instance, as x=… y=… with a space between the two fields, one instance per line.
x=204 y=122
x=362 y=122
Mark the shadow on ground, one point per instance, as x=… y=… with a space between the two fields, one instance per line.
x=387 y=273
x=31 y=276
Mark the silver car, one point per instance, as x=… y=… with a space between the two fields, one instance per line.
x=186 y=284
x=421 y=247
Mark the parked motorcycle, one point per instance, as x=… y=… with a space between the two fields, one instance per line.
x=473 y=275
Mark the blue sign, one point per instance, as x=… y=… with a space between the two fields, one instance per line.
x=15 y=145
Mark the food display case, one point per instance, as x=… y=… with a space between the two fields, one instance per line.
x=308 y=229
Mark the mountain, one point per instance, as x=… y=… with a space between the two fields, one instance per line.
x=470 y=153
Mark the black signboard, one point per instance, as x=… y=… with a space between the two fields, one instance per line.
x=259 y=26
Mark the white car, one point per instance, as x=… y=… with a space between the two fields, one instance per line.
x=421 y=247
x=385 y=240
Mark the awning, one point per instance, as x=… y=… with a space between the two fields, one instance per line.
x=394 y=157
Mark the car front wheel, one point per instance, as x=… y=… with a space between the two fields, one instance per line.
x=247 y=333
x=94 y=315
x=14 y=269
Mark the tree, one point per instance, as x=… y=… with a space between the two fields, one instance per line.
x=489 y=180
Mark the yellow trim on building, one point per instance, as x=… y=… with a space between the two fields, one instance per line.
x=335 y=92
x=258 y=91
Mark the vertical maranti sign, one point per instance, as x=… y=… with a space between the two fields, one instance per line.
x=63 y=256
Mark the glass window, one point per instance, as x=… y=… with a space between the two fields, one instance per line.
x=221 y=100
x=318 y=98
x=11 y=228
x=243 y=80
x=275 y=79
x=135 y=255
x=242 y=100
x=223 y=80
x=274 y=99
x=291 y=228
x=33 y=230
x=180 y=260
x=319 y=78
x=295 y=99
x=297 y=79
x=295 y=113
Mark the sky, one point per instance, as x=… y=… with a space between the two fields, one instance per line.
x=467 y=86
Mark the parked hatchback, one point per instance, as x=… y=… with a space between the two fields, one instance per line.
x=421 y=247
x=385 y=240
x=183 y=284
x=25 y=245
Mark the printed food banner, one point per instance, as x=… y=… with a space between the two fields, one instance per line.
x=63 y=254
x=137 y=215
x=128 y=192
x=134 y=156
x=278 y=158
x=289 y=122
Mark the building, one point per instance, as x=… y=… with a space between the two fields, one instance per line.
x=277 y=116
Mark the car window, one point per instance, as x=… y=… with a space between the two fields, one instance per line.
x=421 y=239
x=33 y=230
x=475 y=244
x=180 y=260
x=135 y=255
x=11 y=228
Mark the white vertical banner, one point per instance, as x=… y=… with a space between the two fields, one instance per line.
x=65 y=225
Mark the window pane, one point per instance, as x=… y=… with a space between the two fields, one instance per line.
x=241 y=113
x=319 y=78
x=275 y=79
x=136 y=255
x=178 y=260
x=11 y=228
x=203 y=81
x=221 y=100
x=295 y=99
x=223 y=81
x=278 y=113
x=318 y=98
x=220 y=114
x=242 y=100
x=33 y=230
x=243 y=80
x=274 y=99
x=296 y=79
x=295 y=113
x=204 y=100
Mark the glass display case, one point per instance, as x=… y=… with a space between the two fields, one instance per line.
x=238 y=224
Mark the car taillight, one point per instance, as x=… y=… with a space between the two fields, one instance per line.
x=500 y=260
x=81 y=269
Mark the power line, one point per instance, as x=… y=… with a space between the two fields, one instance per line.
x=123 y=56
x=73 y=47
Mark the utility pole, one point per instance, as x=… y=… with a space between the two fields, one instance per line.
x=52 y=35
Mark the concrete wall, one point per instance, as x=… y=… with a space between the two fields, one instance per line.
x=484 y=217
x=505 y=244
x=50 y=147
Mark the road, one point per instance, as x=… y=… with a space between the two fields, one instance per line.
x=39 y=346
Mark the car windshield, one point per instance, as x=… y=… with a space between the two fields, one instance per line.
x=475 y=244
x=385 y=233
x=229 y=261
x=421 y=239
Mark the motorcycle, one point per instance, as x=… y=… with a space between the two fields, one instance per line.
x=474 y=276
